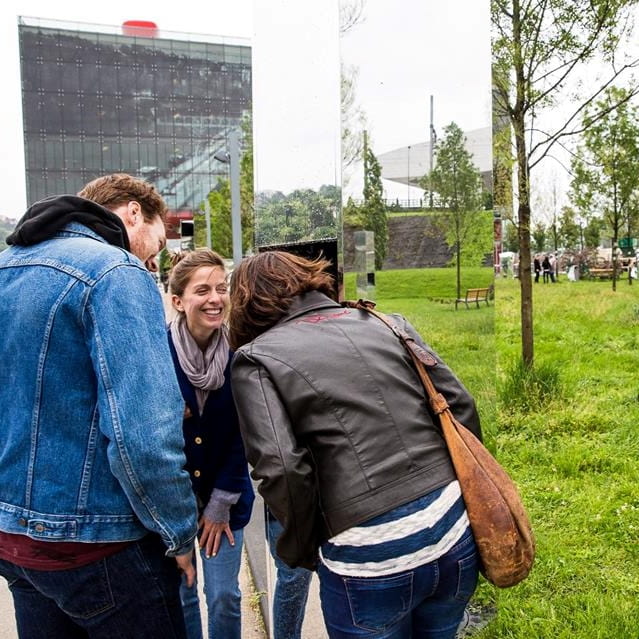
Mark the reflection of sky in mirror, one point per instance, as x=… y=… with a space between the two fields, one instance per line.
x=409 y=52
x=296 y=95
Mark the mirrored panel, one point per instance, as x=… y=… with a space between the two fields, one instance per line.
x=297 y=178
x=297 y=130
x=408 y=75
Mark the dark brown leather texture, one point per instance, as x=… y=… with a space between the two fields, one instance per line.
x=497 y=516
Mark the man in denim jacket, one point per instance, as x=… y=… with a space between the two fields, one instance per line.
x=97 y=515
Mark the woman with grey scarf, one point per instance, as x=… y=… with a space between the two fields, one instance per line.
x=213 y=445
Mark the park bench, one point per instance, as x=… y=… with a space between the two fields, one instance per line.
x=600 y=273
x=476 y=295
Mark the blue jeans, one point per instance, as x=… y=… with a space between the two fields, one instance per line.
x=133 y=594
x=424 y=603
x=291 y=590
x=222 y=592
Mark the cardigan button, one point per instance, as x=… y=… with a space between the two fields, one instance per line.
x=198 y=440
x=196 y=473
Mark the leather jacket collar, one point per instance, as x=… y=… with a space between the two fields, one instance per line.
x=311 y=301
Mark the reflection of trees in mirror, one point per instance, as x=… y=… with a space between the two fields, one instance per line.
x=353 y=120
x=219 y=202
x=371 y=214
x=302 y=215
x=351 y=13
x=6 y=228
x=458 y=186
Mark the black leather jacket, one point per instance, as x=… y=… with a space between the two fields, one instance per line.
x=335 y=421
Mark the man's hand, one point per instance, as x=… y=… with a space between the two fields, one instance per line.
x=185 y=565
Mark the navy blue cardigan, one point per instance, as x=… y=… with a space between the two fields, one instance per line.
x=213 y=445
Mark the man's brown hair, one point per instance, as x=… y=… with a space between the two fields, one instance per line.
x=263 y=287
x=119 y=188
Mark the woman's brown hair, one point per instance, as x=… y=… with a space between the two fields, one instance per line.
x=263 y=287
x=185 y=263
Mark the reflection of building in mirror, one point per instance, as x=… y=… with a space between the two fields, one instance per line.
x=409 y=164
x=393 y=77
x=101 y=100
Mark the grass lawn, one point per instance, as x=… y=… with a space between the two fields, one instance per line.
x=463 y=338
x=574 y=451
x=572 y=447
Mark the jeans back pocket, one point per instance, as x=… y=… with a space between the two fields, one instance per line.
x=377 y=603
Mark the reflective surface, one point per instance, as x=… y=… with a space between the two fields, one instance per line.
x=296 y=122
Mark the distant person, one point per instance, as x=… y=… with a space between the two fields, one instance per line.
x=98 y=517
x=537 y=268
x=547 y=270
x=215 y=456
x=554 y=268
x=349 y=460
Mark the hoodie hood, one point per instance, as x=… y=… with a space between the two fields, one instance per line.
x=46 y=217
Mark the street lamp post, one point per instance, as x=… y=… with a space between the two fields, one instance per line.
x=207 y=218
x=232 y=157
x=408 y=181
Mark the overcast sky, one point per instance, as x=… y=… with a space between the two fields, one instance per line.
x=406 y=50
x=421 y=48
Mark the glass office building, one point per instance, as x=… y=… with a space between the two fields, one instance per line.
x=100 y=100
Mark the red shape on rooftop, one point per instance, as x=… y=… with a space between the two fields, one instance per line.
x=143 y=28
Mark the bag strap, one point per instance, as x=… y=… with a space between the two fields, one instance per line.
x=421 y=358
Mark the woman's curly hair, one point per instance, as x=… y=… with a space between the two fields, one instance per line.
x=263 y=287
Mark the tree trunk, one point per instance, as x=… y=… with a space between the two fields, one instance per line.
x=525 y=286
x=523 y=184
x=615 y=260
x=458 y=270
x=525 y=276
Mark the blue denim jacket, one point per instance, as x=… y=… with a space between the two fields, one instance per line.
x=91 y=445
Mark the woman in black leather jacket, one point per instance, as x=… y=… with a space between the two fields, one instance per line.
x=336 y=426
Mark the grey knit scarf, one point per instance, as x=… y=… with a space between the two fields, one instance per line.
x=205 y=370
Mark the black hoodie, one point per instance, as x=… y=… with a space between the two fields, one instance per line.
x=46 y=217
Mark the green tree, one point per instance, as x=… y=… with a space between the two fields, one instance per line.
x=539 y=237
x=374 y=210
x=538 y=46
x=592 y=233
x=247 y=186
x=511 y=240
x=303 y=214
x=569 y=231
x=606 y=167
x=219 y=202
x=457 y=183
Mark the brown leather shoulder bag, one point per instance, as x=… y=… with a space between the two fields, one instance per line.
x=496 y=513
